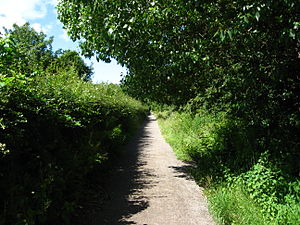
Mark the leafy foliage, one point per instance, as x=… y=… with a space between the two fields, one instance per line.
x=70 y=60
x=244 y=186
x=34 y=51
x=178 y=49
x=232 y=67
x=8 y=54
x=54 y=130
x=240 y=58
x=25 y=51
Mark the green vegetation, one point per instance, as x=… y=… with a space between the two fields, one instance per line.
x=230 y=70
x=25 y=51
x=244 y=53
x=56 y=130
x=244 y=186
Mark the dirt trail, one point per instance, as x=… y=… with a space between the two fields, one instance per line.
x=151 y=187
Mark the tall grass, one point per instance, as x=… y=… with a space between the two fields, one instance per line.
x=244 y=186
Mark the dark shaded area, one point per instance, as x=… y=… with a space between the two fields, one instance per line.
x=125 y=179
x=184 y=171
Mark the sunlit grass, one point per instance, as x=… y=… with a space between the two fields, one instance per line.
x=239 y=192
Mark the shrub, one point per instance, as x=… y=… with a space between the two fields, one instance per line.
x=54 y=130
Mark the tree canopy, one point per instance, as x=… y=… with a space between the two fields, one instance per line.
x=26 y=51
x=33 y=49
x=177 y=49
x=67 y=60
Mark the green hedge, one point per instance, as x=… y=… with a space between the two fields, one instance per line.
x=53 y=131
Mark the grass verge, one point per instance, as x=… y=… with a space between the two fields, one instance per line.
x=243 y=185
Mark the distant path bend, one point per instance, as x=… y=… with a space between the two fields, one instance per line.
x=149 y=186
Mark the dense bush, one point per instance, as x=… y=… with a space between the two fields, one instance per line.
x=246 y=184
x=54 y=130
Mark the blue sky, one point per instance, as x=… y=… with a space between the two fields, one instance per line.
x=43 y=17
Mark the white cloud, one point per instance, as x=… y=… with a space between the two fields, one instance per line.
x=19 y=11
x=65 y=36
x=38 y=27
x=53 y=2
x=48 y=27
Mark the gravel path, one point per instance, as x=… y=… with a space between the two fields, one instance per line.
x=151 y=187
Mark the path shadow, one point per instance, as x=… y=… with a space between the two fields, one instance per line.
x=184 y=171
x=127 y=179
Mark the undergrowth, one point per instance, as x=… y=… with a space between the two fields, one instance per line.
x=245 y=183
x=54 y=131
